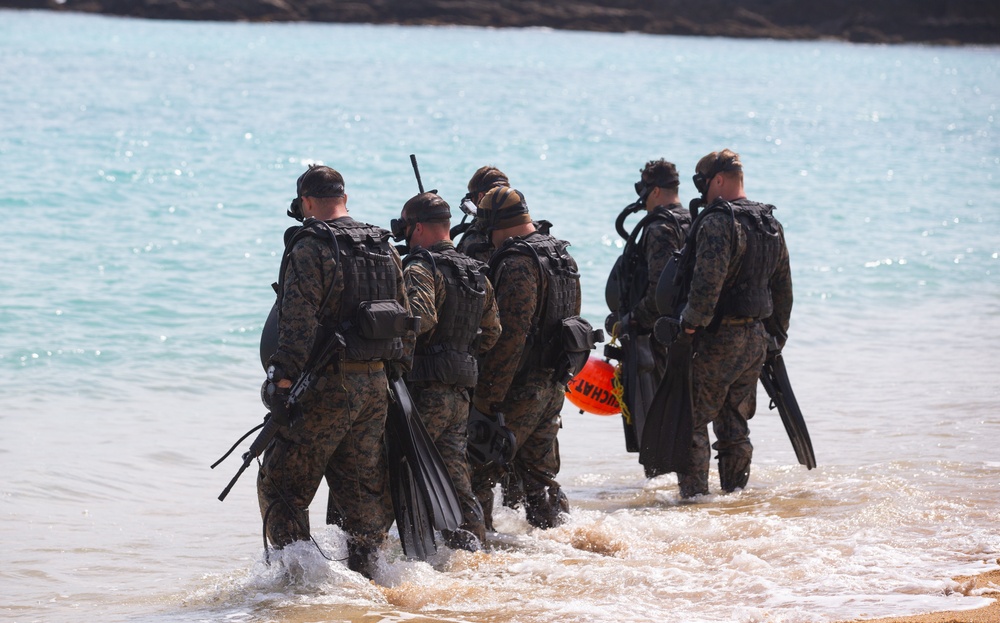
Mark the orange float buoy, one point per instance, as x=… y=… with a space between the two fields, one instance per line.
x=592 y=389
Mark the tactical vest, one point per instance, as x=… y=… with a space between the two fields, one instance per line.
x=475 y=242
x=365 y=267
x=447 y=353
x=629 y=279
x=557 y=296
x=675 y=281
x=749 y=294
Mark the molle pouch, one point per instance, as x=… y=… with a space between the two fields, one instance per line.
x=461 y=369
x=446 y=366
x=577 y=338
x=382 y=320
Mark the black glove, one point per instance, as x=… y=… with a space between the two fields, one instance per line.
x=276 y=400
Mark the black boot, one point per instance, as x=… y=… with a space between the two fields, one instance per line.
x=461 y=539
x=362 y=558
x=691 y=485
x=734 y=472
x=513 y=489
x=544 y=509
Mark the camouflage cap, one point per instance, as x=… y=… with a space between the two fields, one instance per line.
x=426 y=207
x=503 y=207
x=320 y=181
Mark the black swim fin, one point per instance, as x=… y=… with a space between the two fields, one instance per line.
x=427 y=476
x=667 y=435
x=413 y=518
x=639 y=381
x=774 y=378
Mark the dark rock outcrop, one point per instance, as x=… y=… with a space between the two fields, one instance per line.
x=871 y=21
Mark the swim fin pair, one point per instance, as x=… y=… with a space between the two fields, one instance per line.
x=774 y=378
x=665 y=445
x=423 y=495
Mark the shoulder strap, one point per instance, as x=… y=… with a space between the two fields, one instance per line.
x=311 y=227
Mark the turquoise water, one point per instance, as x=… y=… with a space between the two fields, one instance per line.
x=144 y=172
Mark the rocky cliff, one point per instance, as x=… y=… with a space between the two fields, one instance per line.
x=869 y=21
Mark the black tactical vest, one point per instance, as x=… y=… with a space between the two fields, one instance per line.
x=557 y=296
x=365 y=267
x=447 y=354
x=749 y=295
x=629 y=279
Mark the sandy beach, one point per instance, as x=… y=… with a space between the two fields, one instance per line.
x=967 y=585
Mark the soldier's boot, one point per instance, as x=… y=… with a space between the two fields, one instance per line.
x=691 y=485
x=486 y=502
x=334 y=514
x=513 y=489
x=734 y=472
x=544 y=508
x=463 y=539
x=362 y=557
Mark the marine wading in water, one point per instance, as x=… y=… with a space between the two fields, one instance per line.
x=630 y=295
x=727 y=296
x=341 y=319
x=544 y=343
x=459 y=323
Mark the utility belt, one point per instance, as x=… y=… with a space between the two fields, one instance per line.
x=369 y=367
x=737 y=321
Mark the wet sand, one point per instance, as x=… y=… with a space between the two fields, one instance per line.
x=967 y=585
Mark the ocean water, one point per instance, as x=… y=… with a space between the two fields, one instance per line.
x=145 y=168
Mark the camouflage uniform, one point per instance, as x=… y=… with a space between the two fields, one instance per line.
x=728 y=359
x=444 y=407
x=339 y=433
x=528 y=396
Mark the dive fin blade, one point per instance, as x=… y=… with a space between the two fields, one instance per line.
x=429 y=467
x=667 y=435
x=639 y=382
x=774 y=378
x=408 y=504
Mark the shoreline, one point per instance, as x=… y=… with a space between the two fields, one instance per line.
x=967 y=584
x=976 y=22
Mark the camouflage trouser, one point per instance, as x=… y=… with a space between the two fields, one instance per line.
x=444 y=410
x=531 y=410
x=340 y=437
x=725 y=371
